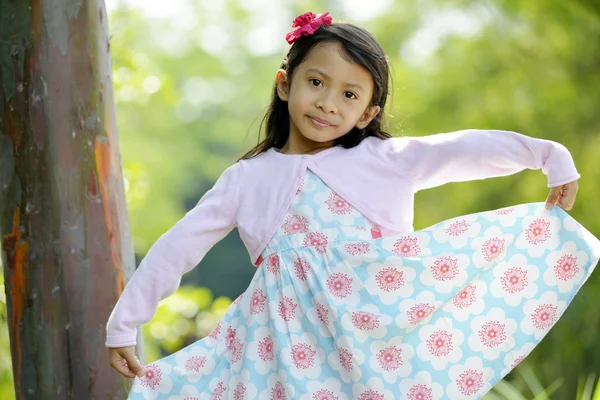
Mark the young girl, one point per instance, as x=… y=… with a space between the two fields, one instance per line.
x=348 y=301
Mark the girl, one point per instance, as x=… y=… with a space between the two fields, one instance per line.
x=348 y=301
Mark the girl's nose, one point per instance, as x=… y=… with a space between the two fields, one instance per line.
x=326 y=103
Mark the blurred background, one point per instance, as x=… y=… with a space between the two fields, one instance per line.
x=192 y=80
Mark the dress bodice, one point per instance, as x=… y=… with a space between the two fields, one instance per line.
x=316 y=207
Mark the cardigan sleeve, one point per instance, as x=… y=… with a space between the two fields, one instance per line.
x=466 y=155
x=176 y=252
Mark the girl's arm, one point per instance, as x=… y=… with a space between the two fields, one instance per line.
x=466 y=155
x=174 y=253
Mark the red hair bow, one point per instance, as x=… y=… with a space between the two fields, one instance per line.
x=306 y=24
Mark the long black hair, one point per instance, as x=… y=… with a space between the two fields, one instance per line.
x=360 y=47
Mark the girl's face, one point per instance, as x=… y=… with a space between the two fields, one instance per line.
x=328 y=96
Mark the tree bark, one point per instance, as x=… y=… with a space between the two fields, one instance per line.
x=66 y=245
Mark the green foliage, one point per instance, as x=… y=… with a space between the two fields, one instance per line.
x=7 y=388
x=186 y=316
x=528 y=382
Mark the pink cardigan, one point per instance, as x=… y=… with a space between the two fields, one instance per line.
x=378 y=177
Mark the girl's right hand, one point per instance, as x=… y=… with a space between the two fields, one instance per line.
x=124 y=360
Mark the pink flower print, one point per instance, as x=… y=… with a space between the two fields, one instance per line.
x=301 y=267
x=390 y=358
x=514 y=280
x=273 y=263
x=492 y=248
x=265 y=349
x=240 y=390
x=278 y=392
x=418 y=312
x=234 y=345
x=287 y=309
x=295 y=224
x=356 y=248
x=469 y=382
x=345 y=359
x=517 y=362
x=236 y=349
x=219 y=390
x=420 y=392
x=465 y=297
x=389 y=279
x=440 y=343
x=566 y=267
x=322 y=313
x=230 y=336
x=303 y=356
x=195 y=363
x=300 y=187
x=258 y=301
x=445 y=268
x=316 y=239
x=340 y=285
x=407 y=247
x=506 y=211
x=457 y=228
x=492 y=334
x=538 y=231
x=216 y=332
x=324 y=394
x=337 y=205
x=365 y=321
x=152 y=376
x=544 y=316
x=371 y=395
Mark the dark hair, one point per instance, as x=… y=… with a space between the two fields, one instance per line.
x=360 y=47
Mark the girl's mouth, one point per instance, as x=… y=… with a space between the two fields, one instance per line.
x=319 y=122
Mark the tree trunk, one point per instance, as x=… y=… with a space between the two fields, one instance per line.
x=66 y=242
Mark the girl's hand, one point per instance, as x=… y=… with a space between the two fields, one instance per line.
x=563 y=196
x=124 y=360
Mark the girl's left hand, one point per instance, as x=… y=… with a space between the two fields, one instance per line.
x=562 y=196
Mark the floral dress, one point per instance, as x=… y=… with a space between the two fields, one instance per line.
x=338 y=311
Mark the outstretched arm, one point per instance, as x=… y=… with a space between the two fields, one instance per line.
x=176 y=252
x=466 y=155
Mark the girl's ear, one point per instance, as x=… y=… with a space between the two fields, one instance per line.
x=283 y=86
x=367 y=117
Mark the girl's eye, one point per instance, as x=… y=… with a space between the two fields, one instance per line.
x=348 y=95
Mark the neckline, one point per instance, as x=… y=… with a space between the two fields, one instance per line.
x=316 y=155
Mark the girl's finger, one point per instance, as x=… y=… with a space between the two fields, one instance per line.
x=568 y=195
x=120 y=365
x=133 y=363
x=567 y=201
x=553 y=197
x=123 y=369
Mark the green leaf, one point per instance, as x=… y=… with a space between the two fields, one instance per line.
x=597 y=391
x=530 y=377
x=550 y=389
x=585 y=391
x=508 y=391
